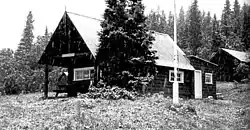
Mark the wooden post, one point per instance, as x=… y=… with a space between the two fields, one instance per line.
x=175 y=84
x=46 y=81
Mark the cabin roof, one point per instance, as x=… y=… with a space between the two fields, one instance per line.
x=242 y=56
x=196 y=57
x=163 y=44
x=88 y=33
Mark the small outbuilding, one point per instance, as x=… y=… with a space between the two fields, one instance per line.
x=227 y=60
x=164 y=45
x=205 y=75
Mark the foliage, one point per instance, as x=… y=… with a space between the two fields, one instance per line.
x=156 y=21
x=154 y=112
x=206 y=32
x=19 y=69
x=130 y=87
x=194 y=28
x=246 y=27
x=181 y=30
x=242 y=71
x=236 y=18
x=226 y=20
x=202 y=35
x=109 y=93
x=22 y=53
x=125 y=44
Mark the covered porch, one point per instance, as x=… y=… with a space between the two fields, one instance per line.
x=68 y=48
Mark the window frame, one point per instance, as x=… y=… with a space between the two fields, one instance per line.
x=178 y=72
x=83 y=69
x=211 y=78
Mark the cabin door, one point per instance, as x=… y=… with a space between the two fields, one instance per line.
x=197 y=84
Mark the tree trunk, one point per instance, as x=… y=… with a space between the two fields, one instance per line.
x=46 y=81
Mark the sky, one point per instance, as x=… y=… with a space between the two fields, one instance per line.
x=49 y=12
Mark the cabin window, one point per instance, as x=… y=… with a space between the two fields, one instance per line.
x=83 y=73
x=180 y=76
x=208 y=78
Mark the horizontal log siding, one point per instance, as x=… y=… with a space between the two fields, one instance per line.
x=185 y=89
x=205 y=67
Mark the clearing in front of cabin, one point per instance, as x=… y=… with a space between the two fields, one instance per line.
x=30 y=111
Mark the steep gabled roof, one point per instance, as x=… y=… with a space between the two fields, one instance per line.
x=242 y=56
x=88 y=29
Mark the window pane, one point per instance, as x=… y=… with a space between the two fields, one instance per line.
x=172 y=76
x=178 y=75
x=208 y=78
x=85 y=74
x=78 y=74
x=82 y=74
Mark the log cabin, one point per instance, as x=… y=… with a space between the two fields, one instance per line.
x=227 y=60
x=74 y=43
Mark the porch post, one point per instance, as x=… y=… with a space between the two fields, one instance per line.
x=46 y=81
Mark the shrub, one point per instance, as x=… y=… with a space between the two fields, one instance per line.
x=242 y=71
x=113 y=93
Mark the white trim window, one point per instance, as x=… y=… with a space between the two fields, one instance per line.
x=180 y=76
x=82 y=73
x=208 y=78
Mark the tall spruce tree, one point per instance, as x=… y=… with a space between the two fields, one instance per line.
x=124 y=40
x=163 y=23
x=153 y=21
x=217 y=41
x=194 y=28
x=246 y=28
x=38 y=48
x=236 y=18
x=206 y=36
x=181 y=39
x=156 y=21
x=226 y=21
x=24 y=47
x=170 y=27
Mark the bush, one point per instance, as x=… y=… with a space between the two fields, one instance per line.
x=140 y=84
x=113 y=93
x=242 y=71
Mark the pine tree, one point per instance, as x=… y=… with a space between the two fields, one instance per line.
x=38 y=48
x=181 y=39
x=194 y=28
x=124 y=40
x=156 y=21
x=170 y=27
x=236 y=18
x=203 y=15
x=246 y=28
x=163 y=23
x=24 y=47
x=217 y=41
x=153 y=21
x=226 y=24
x=206 y=36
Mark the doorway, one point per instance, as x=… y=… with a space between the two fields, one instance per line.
x=197 y=84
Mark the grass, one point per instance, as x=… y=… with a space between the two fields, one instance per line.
x=155 y=112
